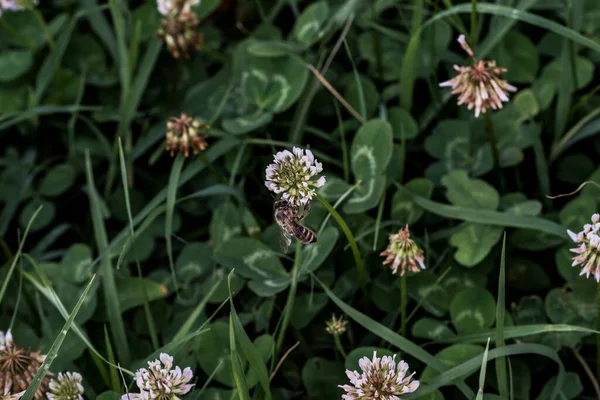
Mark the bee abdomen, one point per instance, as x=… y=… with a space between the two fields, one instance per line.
x=306 y=235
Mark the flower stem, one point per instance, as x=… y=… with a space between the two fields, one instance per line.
x=494 y=146
x=357 y=259
x=598 y=336
x=339 y=346
x=473 y=24
x=403 y=303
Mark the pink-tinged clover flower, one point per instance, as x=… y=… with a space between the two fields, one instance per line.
x=291 y=174
x=588 y=249
x=380 y=379
x=479 y=85
x=161 y=381
x=403 y=252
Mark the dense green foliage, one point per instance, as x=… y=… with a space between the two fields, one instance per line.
x=184 y=251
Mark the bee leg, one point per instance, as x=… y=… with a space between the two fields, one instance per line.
x=305 y=211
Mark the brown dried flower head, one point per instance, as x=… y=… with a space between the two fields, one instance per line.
x=184 y=133
x=479 y=85
x=179 y=30
x=336 y=326
x=403 y=252
x=18 y=366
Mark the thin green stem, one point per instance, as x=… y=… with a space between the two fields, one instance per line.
x=473 y=24
x=357 y=258
x=403 y=304
x=494 y=146
x=345 y=161
x=44 y=26
x=338 y=344
x=598 y=336
x=289 y=305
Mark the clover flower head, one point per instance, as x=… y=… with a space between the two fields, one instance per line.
x=178 y=29
x=379 y=379
x=16 y=5
x=161 y=381
x=167 y=6
x=291 y=175
x=479 y=85
x=588 y=250
x=336 y=326
x=66 y=387
x=184 y=133
x=403 y=252
x=18 y=366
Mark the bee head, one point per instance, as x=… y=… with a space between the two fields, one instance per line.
x=281 y=203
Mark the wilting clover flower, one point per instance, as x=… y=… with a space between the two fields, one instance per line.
x=161 y=381
x=18 y=366
x=380 y=379
x=479 y=85
x=178 y=28
x=588 y=251
x=184 y=133
x=291 y=174
x=336 y=326
x=66 y=387
x=403 y=252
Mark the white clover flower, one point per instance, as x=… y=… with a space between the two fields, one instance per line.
x=161 y=381
x=403 y=252
x=588 y=251
x=166 y=6
x=16 y=5
x=380 y=379
x=291 y=174
x=336 y=326
x=66 y=387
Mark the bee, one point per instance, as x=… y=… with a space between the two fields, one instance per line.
x=286 y=216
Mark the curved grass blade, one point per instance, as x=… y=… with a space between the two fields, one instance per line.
x=500 y=361
x=468 y=367
x=171 y=196
x=113 y=309
x=393 y=338
x=248 y=349
x=487 y=217
x=53 y=352
x=579 y=131
x=53 y=298
x=512 y=332
x=17 y=255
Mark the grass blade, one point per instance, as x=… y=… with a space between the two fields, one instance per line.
x=149 y=317
x=483 y=371
x=408 y=74
x=50 y=65
x=171 y=197
x=500 y=361
x=236 y=365
x=512 y=332
x=113 y=310
x=53 y=352
x=393 y=338
x=487 y=217
x=17 y=255
x=114 y=374
x=468 y=367
x=249 y=351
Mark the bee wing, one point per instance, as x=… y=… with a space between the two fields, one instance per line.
x=285 y=239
